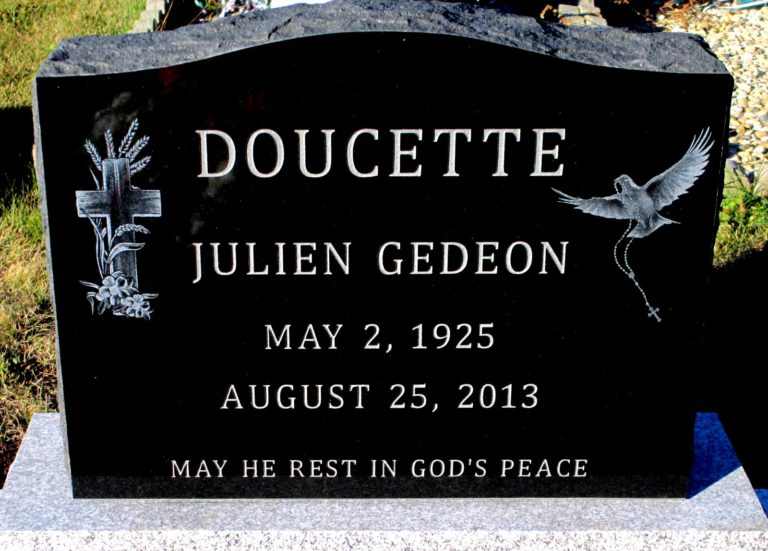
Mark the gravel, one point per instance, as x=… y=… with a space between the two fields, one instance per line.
x=740 y=40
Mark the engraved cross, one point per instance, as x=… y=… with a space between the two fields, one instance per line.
x=119 y=203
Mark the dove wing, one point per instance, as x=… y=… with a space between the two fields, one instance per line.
x=606 y=207
x=665 y=188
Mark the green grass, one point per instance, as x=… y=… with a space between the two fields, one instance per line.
x=27 y=357
x=29 y=31
x=743 y=216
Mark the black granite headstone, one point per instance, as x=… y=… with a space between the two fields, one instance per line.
x=379 y=249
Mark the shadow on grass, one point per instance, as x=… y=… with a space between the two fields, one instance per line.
x=15 y=151
x=735 y=381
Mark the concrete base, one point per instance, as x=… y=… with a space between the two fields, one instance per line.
x=38 y=512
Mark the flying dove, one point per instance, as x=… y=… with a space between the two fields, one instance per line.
x=643 y=203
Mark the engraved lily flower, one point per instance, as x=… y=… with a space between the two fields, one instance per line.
x=137 y=306
x=112 y=293
x=114 y=288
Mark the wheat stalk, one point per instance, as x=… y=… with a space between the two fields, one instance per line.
x=110 y=144
x=128 y=139
x=94 y=153
x=125 y=228
x=136 y=149
x=140 y=165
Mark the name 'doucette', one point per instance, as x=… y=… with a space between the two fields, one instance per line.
x=393 y=257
